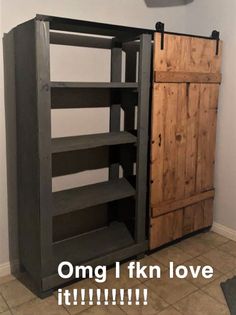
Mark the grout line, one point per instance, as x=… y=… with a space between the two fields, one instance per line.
x=186 y=296
x=9 y=309
x=213 y=298
x=177 y=309
x=18 y=305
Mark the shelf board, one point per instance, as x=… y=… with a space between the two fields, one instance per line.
x=93 y=244
x=95 y=85
x=67 y=201
x=120 y=254
x=67 y=144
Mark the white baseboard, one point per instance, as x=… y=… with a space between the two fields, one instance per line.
x=224 y=231
x=5 y=269
x=8 y=268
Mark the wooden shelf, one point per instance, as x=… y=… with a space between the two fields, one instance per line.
x=66 y=144
x=88 y=196
x=94 y=85
x=94 y=244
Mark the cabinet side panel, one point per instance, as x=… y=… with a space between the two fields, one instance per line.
x=27 y=147
x=10 y=114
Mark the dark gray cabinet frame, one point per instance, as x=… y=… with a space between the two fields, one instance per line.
x=26 y=50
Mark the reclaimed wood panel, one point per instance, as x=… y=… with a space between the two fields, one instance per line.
x=186 y=54
x=206 y=136
x=183 y=135
x=157 y=149
x=190 y=77
x=191 y=139
x=169 y=206
x=168 y=142
x=183 y=141
x=166 y=228
x=198 y=216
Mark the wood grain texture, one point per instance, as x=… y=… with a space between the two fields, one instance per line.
x=206 y=136
x=166 y=228
x=191 y=77
x=183 y=134
x=186 y=54
x=198 y=216
x=169 y=206
x=183 y=140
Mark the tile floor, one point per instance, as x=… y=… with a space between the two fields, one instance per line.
x=165 y=296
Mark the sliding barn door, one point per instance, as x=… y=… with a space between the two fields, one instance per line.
x=184 y=113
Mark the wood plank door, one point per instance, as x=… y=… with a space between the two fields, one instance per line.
x=184 y=111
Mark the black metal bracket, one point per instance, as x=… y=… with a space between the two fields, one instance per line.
x=216 y=35
x=160 y=27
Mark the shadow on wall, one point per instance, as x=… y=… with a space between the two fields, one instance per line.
x=166 y=3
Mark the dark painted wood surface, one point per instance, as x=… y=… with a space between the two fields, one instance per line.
x=91 y=195
x=91 y=141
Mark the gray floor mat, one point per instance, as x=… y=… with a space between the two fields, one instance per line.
x=229 y=289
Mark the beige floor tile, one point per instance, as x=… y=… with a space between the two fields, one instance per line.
x=172 y=253
x=6 y=279
x=151 y=261
x=195 y=246
x=103 y=310
x=3 y=305
x=123 y=282
x=200 y=281
x=155 y=303
x=40 y=307
x=170 y=290
x=199 y=303
x=15 y=293
x=214 y=290
x=213 y=238
x=6 y=313
x=231 y=274
x=229 y=248
x=84 y=284
x=219 y=260
x=170 y=311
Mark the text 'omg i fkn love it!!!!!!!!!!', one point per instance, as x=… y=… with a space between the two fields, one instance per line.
x=121 y=296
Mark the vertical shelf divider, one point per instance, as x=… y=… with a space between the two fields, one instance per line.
x=145 y=54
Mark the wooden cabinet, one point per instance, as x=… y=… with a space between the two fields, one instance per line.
x=183 y=133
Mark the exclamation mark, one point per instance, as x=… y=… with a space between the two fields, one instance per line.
x=106 y=297
x=137 y=295
x=59 y=297
x=122 y=295
x=129 y=296
x=90 y=296
x=98 y=296
x=75 y=295
x=145 y=295
x=113 y=296
x=82 y=292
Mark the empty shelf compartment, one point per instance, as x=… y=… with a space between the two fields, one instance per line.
x=87 y=196
x=91 y=141
x=94 y=244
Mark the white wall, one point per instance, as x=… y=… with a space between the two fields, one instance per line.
x=132 y=12
x=202 y=17
x=3 y=180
